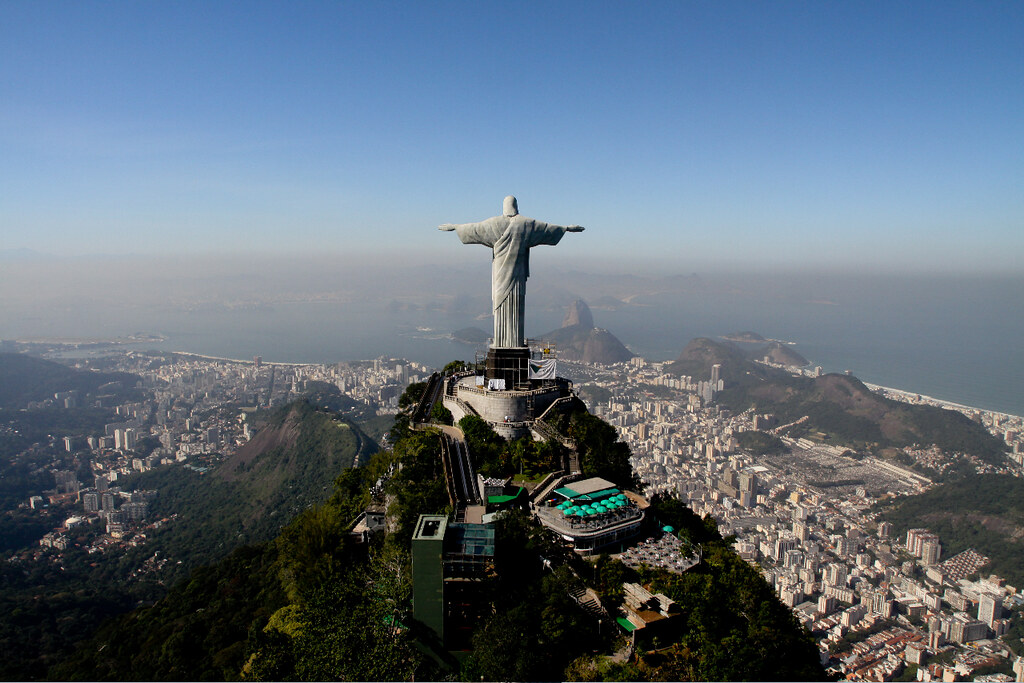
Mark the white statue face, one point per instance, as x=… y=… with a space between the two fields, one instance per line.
x=511 y=207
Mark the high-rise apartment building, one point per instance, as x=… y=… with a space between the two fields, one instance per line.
x=989 y=609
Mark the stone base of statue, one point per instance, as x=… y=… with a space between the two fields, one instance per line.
x=510 y=365
x=512 y=412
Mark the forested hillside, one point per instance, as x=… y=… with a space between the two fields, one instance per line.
x=314 y=604
x=838 y=407
x=984 y=512
x=289 y=466
x=25 y=378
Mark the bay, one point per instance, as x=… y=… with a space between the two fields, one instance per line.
x=957 y=339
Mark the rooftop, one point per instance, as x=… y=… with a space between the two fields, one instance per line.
x=430 y=528
x=586 y=486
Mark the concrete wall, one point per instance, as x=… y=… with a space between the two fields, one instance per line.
x=496 y=406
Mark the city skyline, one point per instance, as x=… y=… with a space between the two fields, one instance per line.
x=739 y=134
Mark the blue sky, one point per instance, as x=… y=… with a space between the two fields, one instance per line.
x=853 y=135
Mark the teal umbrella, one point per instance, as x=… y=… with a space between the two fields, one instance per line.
x=667 y=529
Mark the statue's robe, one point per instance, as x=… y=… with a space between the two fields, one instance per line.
x=511 y=238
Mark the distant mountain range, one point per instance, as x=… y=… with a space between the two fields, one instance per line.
x=838 y=407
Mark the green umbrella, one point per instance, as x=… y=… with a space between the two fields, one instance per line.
x=667 y=529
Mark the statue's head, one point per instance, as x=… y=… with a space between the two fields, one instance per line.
x=511 y=207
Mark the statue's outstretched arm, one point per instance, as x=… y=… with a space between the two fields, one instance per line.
x=541 y=225
x=550 y=234
x=484 y=232
x=448 y=227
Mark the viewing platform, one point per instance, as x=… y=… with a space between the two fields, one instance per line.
x=511 y=412
x=592 y=514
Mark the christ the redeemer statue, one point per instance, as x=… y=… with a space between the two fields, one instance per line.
x=511 y=236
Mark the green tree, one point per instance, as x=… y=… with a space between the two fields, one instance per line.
x=441 y=414
x=610 y=575
x=601 y=453
x=488 y=449
x=411 y=396
x=455 y=366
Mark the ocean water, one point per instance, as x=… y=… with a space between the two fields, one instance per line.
x=959 y=339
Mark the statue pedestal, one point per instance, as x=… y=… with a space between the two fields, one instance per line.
x=511 y=365
x=511 y=413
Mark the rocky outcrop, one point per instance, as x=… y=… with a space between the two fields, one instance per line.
x=783 y=355
x=579 y=340
x=579 y=314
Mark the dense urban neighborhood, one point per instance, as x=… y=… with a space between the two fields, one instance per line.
x=881 y=601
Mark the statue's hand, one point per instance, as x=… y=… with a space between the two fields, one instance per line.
x=574 y=228
x=447 y=227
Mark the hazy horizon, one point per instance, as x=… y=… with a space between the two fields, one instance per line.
x=955 y=336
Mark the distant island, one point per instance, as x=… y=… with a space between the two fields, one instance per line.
x=470 y=335
x=745 y=337
x=78 y=342
x=752 y=338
